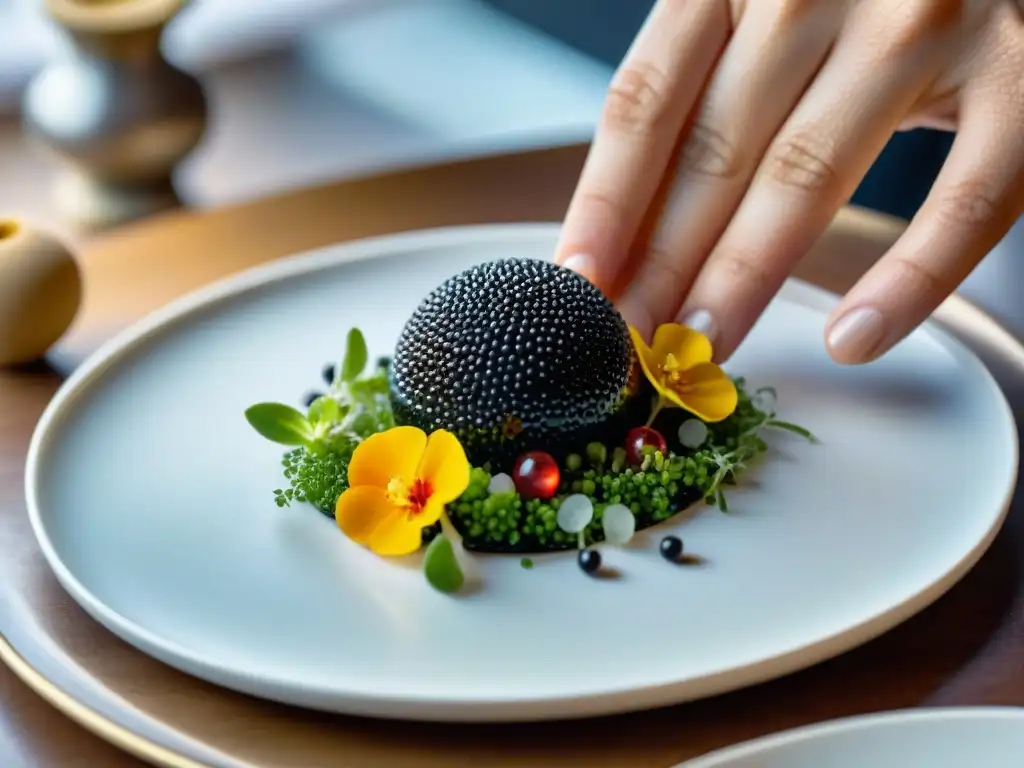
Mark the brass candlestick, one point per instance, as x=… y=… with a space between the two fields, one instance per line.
x=115 y=110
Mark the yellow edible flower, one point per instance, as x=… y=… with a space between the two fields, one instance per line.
x=678 y=365
x=399 y=483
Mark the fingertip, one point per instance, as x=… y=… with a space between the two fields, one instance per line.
x=703 y=322
x=580 y=263
x=637 y=316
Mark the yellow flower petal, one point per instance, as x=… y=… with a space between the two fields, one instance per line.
x=360 y=510
x=705 y=390
x=646 y=358
x=444 y=467
x=398 y=534
x=387 y=456
x=688 y=346
x=430 y=513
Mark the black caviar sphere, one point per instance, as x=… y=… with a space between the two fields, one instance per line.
x=589 y=560
x=671 y=548
x=515 y=355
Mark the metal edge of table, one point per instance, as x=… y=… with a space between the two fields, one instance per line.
x=275 y=212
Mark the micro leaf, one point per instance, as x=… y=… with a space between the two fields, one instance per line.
x=280 y=423
x=355 y=356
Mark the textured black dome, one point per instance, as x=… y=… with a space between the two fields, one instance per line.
x=513 y=355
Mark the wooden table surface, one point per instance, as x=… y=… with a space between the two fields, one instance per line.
x=969 y=647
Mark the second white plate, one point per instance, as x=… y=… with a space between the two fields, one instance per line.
x=150 y=497
x=984 y=737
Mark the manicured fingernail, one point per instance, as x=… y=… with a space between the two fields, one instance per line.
x=857 y=335
x=701 y=321
x=581 y=264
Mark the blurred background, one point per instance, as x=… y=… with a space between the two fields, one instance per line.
x=311 y=91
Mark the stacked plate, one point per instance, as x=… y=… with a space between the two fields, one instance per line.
x=153 y=505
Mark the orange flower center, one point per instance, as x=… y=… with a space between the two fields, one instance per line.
x=673 y=376
x=412 y=498
x=676 y=381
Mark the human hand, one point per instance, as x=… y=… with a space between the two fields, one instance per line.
x=734 y=130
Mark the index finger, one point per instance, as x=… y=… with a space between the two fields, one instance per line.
x=650 y=96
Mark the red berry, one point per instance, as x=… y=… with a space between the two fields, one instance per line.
x=639 y=438
x=536 y=475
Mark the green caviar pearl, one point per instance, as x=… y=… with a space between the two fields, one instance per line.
x=597 y=453
x=618 y=459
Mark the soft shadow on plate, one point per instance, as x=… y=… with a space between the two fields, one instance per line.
x=919 y=396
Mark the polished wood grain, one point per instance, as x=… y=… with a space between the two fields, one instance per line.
x=966 y=649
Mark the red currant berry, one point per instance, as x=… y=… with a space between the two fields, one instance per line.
x=639 y=438
x=536 y=475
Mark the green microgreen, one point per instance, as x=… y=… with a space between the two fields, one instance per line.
x=355 y=357
x=323 y=439
x=739 y=441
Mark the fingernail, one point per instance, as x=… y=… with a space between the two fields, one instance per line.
x=857 y=335
x=581 y=264
x=701 y=321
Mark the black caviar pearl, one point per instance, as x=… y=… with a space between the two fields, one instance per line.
x=672 y=548
x=328 y=373
x=589 y=560
x=311 y=397
x=383 y=362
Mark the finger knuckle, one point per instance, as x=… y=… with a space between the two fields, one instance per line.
x=637 y=100
x=708 y=151
x=917 y=281
x=744 y=269
x=665 y=261
x=802 y=162
x=969 y=205
x=601 y=204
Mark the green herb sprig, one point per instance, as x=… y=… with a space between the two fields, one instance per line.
x=322 y=440
x=351 y=410
x=732 y=445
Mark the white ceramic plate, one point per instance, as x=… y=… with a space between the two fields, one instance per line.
x=991 y=737
x=151 y=499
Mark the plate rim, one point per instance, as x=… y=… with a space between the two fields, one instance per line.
x=514 y=708
x=803 y=733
